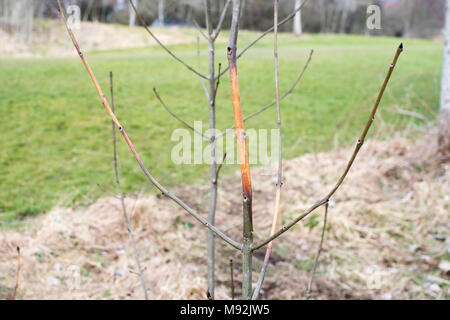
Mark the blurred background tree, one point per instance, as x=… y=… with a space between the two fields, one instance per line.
x=405 y=18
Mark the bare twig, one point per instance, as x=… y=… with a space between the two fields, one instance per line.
x=177 y=117
x=164 y=191
x=13 y=296
x=262 y=35
x=222 y=17
x=319 y=251
x=280 y=164
x=232 y=279
x=162 y=45
x=200 y=29
x=121 y=195
x=217 y=83
x=243 y=155
x=358 y=146
x=220 y=167
x=284 y=95
x=112 y=194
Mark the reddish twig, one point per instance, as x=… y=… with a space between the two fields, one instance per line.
x=164 y=191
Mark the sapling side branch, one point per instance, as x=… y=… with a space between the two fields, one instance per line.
x=280 y=158
x=164 y=191
x=142 y=21
x=319 y=251
x=199 y=29
x=358 y=146
x=175 y=116
x=284 y=95
x=232 y=279
x=121 y=195
x=222 y=17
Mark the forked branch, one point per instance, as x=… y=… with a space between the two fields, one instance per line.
x=358 y=146
x=164 y=191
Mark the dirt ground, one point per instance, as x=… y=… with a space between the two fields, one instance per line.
x=387 y=236
x=51 y=39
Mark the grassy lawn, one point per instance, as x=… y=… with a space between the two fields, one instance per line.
x=56 y=136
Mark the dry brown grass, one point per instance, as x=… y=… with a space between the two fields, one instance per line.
x=388 y=237
x=51 y=39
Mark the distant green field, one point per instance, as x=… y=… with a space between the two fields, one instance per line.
x=56 y=135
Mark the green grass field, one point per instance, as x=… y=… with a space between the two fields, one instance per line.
x=56 y=136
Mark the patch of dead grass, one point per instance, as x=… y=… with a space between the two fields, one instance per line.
x=388 y=235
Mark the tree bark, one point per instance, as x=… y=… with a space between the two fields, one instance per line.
x=444 y=115
x=132 y=18
x=298 y=20
x=161 y=12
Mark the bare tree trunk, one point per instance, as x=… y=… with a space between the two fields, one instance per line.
x=444 y=116
x=345 y=10
x=161 y=12
x=408 y=9
x=323 y=16
x=298 y=20
x=132 y=17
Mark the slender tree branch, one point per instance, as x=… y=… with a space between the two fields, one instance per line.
x=262 y=35
x=308 y=294
x=13 y=296
x=243 y=155
x=162 y=45
x=200 y=29
x=112 y=194
x=358 y=146
x=222 y=17
x=232 y=279
x=217 y=84
x=121 y=195
x=177 y=117
x=280 y=164
x=284 y=95
x=164 y=191
x=219 y=167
